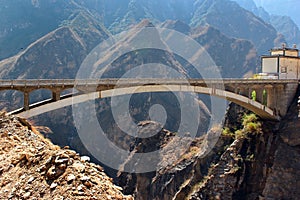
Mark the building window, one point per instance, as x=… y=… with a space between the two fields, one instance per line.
x=283 y=69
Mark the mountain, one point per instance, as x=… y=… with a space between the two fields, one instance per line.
x=24 y=21
x=240 y=57
x=59 y=53
x=118 y=15
x=257 y=10
x=42 y=17
x=234 y=21
x=248 y=162
x=285 y=25
x=284 y=8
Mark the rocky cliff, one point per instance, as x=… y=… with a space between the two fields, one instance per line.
x=253 y=159
x=33 y=168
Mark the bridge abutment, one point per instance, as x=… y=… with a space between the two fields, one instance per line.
x=276 y=96
x=283 y=97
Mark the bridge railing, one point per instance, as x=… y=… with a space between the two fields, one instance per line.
x=125 y=81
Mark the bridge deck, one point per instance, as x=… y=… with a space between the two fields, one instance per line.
x=280 y=92
x=42 y=83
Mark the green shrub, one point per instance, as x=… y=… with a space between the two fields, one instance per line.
x=240 y=134
x=251 y=124
x=249 y=118
x=227 y=133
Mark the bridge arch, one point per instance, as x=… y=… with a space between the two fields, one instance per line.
x=39 y=94
x=254 y=106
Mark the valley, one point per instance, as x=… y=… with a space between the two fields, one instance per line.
x=159 y=141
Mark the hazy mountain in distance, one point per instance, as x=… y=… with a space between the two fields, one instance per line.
x=283 y=24
x=278 y=7
x=234 y=21
x=247 y=4
x=24 y=21
x=286 y=26
x=257 y=10
x=240 y=57
x=119 y=15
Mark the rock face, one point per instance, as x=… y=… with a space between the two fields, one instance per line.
x=286 y=26
x=257 y=165
x=179 y=165
x=243 y=24
x=58 y=54
x=37 y=18
x=23 y=22
x=283 y=180
x=239 y=52
x=33 y=168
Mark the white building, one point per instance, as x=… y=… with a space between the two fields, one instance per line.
x=282 y=63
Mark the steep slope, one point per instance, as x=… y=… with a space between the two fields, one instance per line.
x=284 y=8
x=261 y=166
x=258 y=160
x=24 y=21
x=240 y=57
x=118 y=16
x=251 y=6
x=234 y=21
x=282 y=182
x=33 y=168
x=59 y=53
x=286 y=26
x=283 y=24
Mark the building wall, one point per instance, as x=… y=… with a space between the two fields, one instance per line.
x=282 y=52
x=289 y=68
x=269 y=65
x=276 y=52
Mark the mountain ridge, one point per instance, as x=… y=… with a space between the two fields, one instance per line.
x=118 y=17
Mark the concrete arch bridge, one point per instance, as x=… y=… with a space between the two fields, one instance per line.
x=271 y=101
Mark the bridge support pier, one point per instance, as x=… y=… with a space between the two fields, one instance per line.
x=270 y=97
x=55 y=95
x=26 y=100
